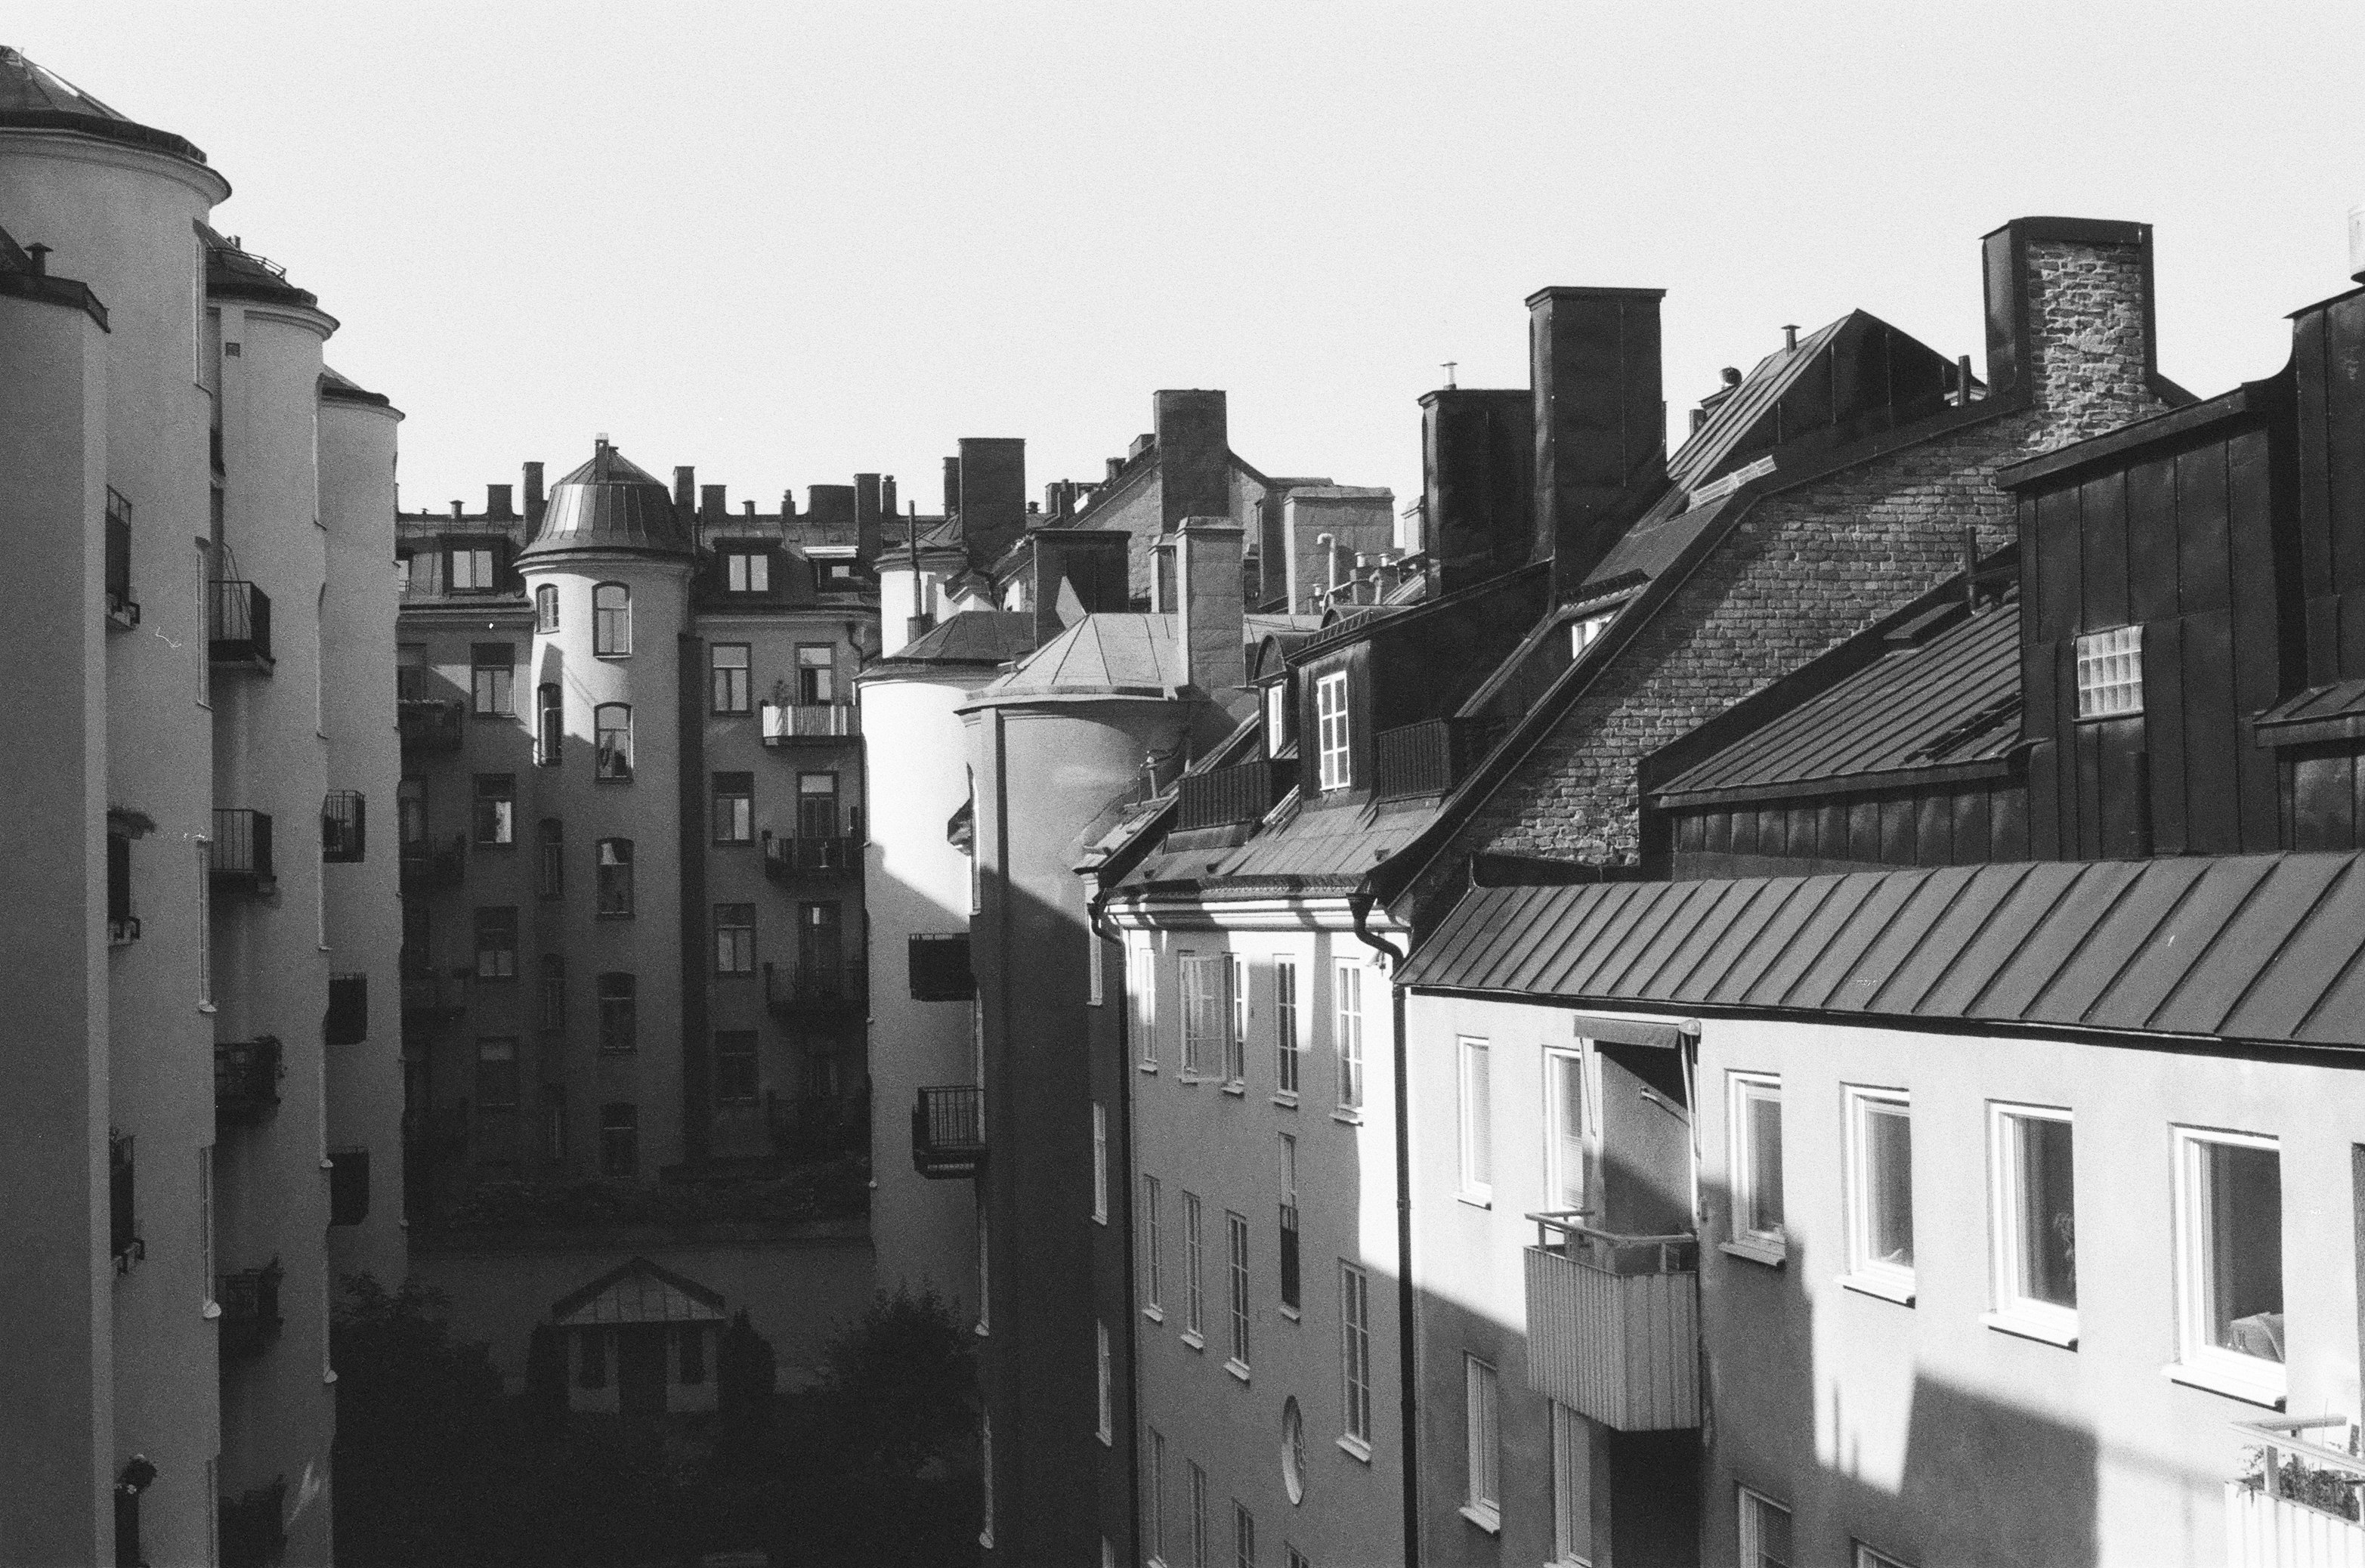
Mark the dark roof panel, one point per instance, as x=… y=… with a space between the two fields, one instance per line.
x=36 y=98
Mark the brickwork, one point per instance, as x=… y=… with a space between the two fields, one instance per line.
x=2086 y=333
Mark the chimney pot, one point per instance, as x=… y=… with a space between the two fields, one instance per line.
x=455 y=508
x=749 y=507
x=1790 y=337
x=1732 y=377
x=40 y=255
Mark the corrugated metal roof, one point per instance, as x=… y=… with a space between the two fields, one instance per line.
x=1107 y=654
x=1951 y=699
x=2260 y=947
x=1335 y=842
x=1730 y=421
x=609 y=503
x=974 y=637
x=34 y=97
x=638 y=1291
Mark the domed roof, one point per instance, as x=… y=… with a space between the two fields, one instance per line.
x=609 y=505
x=36 y=98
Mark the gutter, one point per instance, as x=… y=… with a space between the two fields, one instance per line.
x=1408 y=1356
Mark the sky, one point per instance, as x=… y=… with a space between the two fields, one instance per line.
x=791 y=242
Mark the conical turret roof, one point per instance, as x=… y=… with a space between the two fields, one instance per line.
x=36 y=98
x=609 y=505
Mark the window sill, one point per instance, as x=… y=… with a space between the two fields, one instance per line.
x=1193 y=1340
x=1148 y=1066
x=1771 y=1254
x=2235 y=1382
x=2048 y=1330
x=1108 y=1439
x=1899 y=1291
x=1488 y=1519
x=1237 y=1091
x=207 y=1007
x=1475 y=1200
x=1353 y=1118
x=1154 y=1314
x=1237 y=1367
x=1286 y=1102
x=1356 y=1449
x=1291 y=1313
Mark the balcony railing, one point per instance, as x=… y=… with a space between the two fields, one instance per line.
x=1613 y=1324
x=429 y=723
x=785 y=860
x=246 y=1078
x=815 y=987
x=122 y=609
x=241 y=633
x=429 y=1003
x=240 y=851
x=1430 y=758
x=791 y=724
x=1241 y=793
x=949 y=1131
x=250 y=1310
x=347 y=1021
x=2298 y=1507
x=344 y=821
x=426 y=866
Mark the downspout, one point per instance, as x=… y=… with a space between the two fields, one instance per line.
x=1095 y=911
x=1408 y=1362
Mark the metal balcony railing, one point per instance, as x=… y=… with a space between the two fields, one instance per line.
x=246 y=1078
x=789 y=724
x=429 y=723
x=347 y=1020
x=1613 y=1323
x=241 y=633
x=785 y=860
x=1430 y=758
x=1241 y=793
x=250 y=1310
x=815 y=986
x=2298 y=1507
x=344 y=821
x=122 y=609
x=949 y=1131
x=240 y=851
x=428 y=866
x=429 y=1002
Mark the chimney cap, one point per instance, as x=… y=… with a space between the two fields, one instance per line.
x=1789 y=334
x=1574 y=291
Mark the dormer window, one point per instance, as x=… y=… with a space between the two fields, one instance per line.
x=1276 y=718
x=470 y=569
x=2110 y=673
x=1587 y=631
x=747 y=571
x=1332 y=732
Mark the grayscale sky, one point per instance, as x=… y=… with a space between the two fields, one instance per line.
x=790 y=241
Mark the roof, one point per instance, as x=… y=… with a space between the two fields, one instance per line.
x=2260 y=947
x=1329 y=845
x=1108 y=654
x=1940 y=700
x=638 y=1291
x=34 y=97
x=233 y=272
x=2336 y=711
x=338 y=388
x=1737 y=414
x=24 y=276
x=972 y=637
x=609 y=504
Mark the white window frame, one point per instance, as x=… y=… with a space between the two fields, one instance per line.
x=1293 y=1449
x=1865 y=1272
x=2199 y=1362
x=1334 y=732
x=985 y=1476
x=1141 y=997
x=1572 y=1495
x=1095 y=969
x=1194 y=1275
x=1243 y=1536
x=1346 y=1035
x=1198 y=1516
x=1748 y=1500
x=1206 y=1010
x=1100 y=1163
x=1873 y=1557
x=1475 y=1141
x=1152 y=1260
x=1355 y=1359
x=1288 y=1045
x=2110 y=673
x=1153 y=1499
x=204 y=922
x=1743 y=1091
x=2016 y=1311
x=1236 y=1041
x=1561 y=1142
x=1482 y=1451
x=1585 y=630
x=1276 y=717
x=1105 y=1403
x=1235 y=1278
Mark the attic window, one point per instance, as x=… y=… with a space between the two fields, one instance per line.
x=2110 y=673
x=749 y=571
x=1332 y=735
x=472 y=569
x=1583 y=632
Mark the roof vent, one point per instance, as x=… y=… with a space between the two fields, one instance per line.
x=1790 y=337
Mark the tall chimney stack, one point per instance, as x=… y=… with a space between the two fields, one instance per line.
x=992 y=494
x=1209 y=607
x=1194 y=456
x=534 y=500
x=684 y=492
x=711 y=502
x=1478 y=472
x=952 y=487
x=497 y=501
x=866 y=502
x=1600 y=423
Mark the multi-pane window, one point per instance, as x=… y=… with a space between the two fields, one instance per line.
x=613 y=736
x=553 y=988
x=1881 y=1190
x=1198 y=1516
x=549 y=726
x=1477 y=1122
x=1141 y=1001
x=1872 y=1557
x=1348 y=1034
x=620 y=1140
x=1355 y=1353
x=1285 y=1042
x=1332 y=734
x=734 y=1066
x=550 y=857
x=410 y=672
x=495 y=819
x=728 y=667
x=471 y=568
x=611 y=621
x=1243 y=1536
x=1105 y=1401
x=1236 y=1227
x=1756 y=1116
x=1195 y=1297
x=820 y=950
x=747 y=571
x=817 y=672
x=817 y=805
x=1100 y=1162
x=496 y=1073
x=2034 y=1220
x=410 y=815
x=734 y=939
x=1235 y=1038
x=1483 y=1452
x=545 y=609
x=1152 y=1262
x=1572 y=1472
x=619 y=1020
x=1153 y=1493
x=1563 y=1130
x=1288 y=1175
x=497 y=936
x=611 y=893
x=492 y=679
x=1764 y=1531
x=2110 y=673
x=2229 y=1253
x=1206 y=1010
x=735 y=808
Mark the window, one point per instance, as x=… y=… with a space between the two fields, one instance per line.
x=1563 y=1130
x=1284 y=1025
x=816 y=673
x=817 y=805
x=1880 y=1193
x=2229 y=1253
x=690 y=1338
x=612 y=733
x=1206 y=1010
x=545 y=609
x=985 y=1473
x=1571 y=1462
x=735 y=1067
x=1095 y=968
x=554 y=1123
x=619 y=1013
x=492 y=678
x=1243 y=1536
x=1289 y=1290
x=1867 y=1557
x=747 y=571
x=1331 y=733
x=496 y=1073
x=1482 y=1454
x=611 y=621
x=1585 y=630
x=612 y=896
x=496 y=809
x=1194 y=1298
x=821 y=952
x=1198 y=1516
x=1477 y=1124
x=1141 y=1000
x=2033 y=1222
x=550 y=857
x=735 y=808
x=728 y=663
x=734 y=939
x=1235 y=1040
x=1276 y=718
x=549 y=726
x=1153 y=1493
x=1764 y=1531
x=204 y=922
x=1152 y=1260
x=1293 y=1449
x=470 y=569
x=620 y=1140
x=1755 y=1113
x=1348 y=1035
x=554 y=992
x=1297 y=1558
x=410 y=672
x=2110 y=673
x=1106 y=1430
x=1236 y=1235
x=1100 y=1162
x=497 y=932
x=591 y=1367
x=1355 y=1356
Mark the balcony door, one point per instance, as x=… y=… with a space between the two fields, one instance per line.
x=820 y=948
x=641 y=1368
x=816 y=805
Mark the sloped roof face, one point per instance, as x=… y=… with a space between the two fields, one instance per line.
x=1951 y=699
x=235 y=274
x=639 y=1292
x=2260 y=947
x=35 y=98
x=2321 y=713
x=1101 y=655
x=972 y=637
x=1730 y=423
x=609 y=504
x=1334 y=846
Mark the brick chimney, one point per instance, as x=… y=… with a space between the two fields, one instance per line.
x=1194 y=456
x=497 y=501
x=684 y=492
x=2070 y=320
x=712 y=506
x=1477 y=473
x=867 y=503
x=952 y=487
x=1207 y=606
x=534 y=499
x=830 y=510
x=1599 y=423
x=992 y=494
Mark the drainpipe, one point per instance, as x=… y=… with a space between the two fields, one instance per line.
x=1407 y=1360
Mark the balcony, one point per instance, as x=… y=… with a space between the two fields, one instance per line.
x=1430 y=758
x=790 y=860
x=344 y=821
x=1613 y=1324
x=122 y=609
x=428 y=866
x=816 y=989
x=797 y=723
x=1243 y=793
x=2298 y=1506
x=241 y=633
x=347 y=1020
x=430 y=1002
x=429 y=723
x=250 y=1310
x=246 y=1078
x=948 y=1132
x=240 y=855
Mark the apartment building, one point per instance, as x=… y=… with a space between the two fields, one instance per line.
x=203 y=941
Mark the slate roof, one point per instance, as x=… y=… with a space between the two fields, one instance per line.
x=2255 y=947
x=638 y=1291
x=1108 y=654
x=609 y=504
x=34 y=97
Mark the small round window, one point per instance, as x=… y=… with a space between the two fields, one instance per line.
x=1293 y=1449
